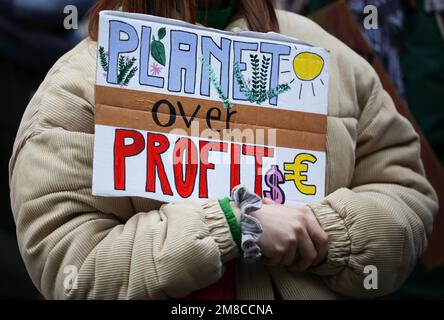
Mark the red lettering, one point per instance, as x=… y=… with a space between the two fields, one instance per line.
x=235 y=166
x=205 y=148
x=258 y=153
x=188 y=160
x=122 y=151
x=157 y=144
x=185 y=186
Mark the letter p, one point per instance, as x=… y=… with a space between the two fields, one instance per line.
x=118 y=44
x=122 y=151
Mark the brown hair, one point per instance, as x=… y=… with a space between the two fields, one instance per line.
x=260 y=14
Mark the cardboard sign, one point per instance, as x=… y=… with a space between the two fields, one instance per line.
x=187 y=113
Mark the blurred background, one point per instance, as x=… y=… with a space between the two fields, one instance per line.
x=406 y=49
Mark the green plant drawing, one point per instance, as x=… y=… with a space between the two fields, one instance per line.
x=126 y=70
x=255 y=70
x=258 y=93
x=264 y=76
x=216 y=84
x=243 y=86
x=103 y=59
x=158 y=48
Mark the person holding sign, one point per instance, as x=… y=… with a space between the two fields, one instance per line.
x=377 y=208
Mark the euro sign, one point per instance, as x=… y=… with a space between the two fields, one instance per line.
x=297 y=171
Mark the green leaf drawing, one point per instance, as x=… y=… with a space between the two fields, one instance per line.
x=216 y=84
x=129 y=76
x=103 y=59
x=161 y=33
x=158 y=48
x=158 y=52
x=243 y=86
x=258 y=93
x=264 y=78
x=120 y=75
x=255 y=70
x=126 y=69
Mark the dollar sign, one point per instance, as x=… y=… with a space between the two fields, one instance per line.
x=273 y=178
x=297 y=172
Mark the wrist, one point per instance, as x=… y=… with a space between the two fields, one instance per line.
x=232 y=221
x=306 y=210
x=246 y=203
x=236 y=211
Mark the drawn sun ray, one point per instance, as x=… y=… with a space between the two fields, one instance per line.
x=307 y=67
x=286 y=71
x=291 y=82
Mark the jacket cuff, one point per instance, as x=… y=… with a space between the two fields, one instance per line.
x=225 y=205
x=339 y=244
x=220 y=231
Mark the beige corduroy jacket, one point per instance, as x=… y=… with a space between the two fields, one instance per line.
x=378 y=211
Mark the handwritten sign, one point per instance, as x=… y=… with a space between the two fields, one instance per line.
x=186 y=112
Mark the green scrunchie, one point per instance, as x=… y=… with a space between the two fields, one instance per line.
x=232 y=221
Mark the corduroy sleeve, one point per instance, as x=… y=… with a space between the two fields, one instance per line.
x=63 y=231
x=161 y=254
x=383 y=218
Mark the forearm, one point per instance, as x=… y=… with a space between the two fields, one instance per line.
x=166 y=253
x=373 y=226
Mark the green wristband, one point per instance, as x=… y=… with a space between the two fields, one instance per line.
x=232 y=221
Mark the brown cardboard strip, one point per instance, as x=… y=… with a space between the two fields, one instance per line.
x=143 y=120
x=243 y=114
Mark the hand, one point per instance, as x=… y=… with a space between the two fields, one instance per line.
x=291 y=237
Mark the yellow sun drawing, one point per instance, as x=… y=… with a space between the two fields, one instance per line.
x=308 y=66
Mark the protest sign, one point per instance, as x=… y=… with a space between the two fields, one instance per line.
x=184 y=112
